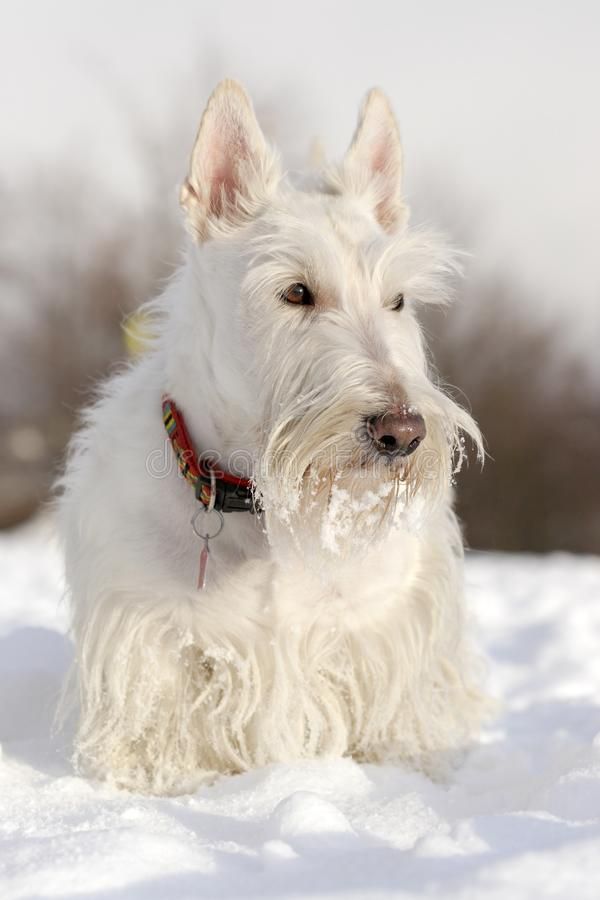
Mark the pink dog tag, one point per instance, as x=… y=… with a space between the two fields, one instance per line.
x=204 y=554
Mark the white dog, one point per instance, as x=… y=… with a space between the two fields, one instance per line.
x=298 y=593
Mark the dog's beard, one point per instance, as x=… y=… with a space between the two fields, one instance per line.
x=327 y=492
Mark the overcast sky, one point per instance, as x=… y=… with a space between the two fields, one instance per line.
x=499 y=103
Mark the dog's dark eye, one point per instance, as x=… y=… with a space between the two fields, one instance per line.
x=299 y=295
x=398 y=302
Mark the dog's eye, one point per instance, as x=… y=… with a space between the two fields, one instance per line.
x=299 y=295
x=398 y=302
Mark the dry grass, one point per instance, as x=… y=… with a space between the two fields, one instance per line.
x=539 y=412
x=66 y=288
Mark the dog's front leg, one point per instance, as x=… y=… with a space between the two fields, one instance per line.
x=153 y=681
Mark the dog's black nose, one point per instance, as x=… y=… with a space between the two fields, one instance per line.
x=398 y=432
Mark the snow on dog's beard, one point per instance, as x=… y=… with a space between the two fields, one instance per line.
x=330 y=492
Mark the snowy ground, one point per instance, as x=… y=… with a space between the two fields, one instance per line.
x=520 y=820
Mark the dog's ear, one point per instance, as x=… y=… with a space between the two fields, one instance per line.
x=232 y=169
x=373 y=162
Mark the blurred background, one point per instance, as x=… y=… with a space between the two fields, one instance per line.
x=499 y=113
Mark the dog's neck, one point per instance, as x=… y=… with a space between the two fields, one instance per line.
x=204 y=370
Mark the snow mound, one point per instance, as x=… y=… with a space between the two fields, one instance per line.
x=520 y=819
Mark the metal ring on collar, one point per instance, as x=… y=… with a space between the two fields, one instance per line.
x=207 y=536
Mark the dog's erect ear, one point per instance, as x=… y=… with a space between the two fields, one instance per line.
x=232 y=169
x=373 y=163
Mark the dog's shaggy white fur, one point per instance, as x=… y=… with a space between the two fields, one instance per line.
x=333 y=622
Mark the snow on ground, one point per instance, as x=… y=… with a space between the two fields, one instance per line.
x=521 y=819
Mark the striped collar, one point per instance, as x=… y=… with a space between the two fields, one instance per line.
x=214 y=488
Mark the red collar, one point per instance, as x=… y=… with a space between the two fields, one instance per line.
x=232 y=494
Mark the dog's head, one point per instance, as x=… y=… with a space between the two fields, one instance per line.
x=313 y=288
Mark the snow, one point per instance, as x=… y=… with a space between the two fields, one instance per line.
x=521 y=819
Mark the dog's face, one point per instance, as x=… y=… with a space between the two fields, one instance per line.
x=324 y=279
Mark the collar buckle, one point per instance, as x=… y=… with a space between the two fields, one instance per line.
x=228 y=497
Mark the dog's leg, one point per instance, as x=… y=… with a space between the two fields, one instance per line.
x=152 y=693
x=417 y=674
